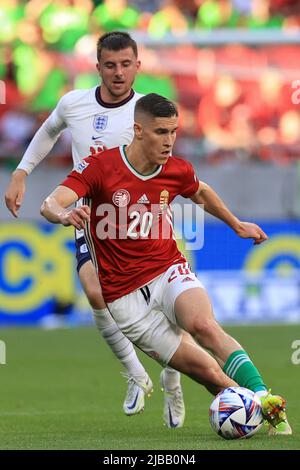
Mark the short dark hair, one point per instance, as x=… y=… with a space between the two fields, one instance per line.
x=115 y=41
x=156 y=105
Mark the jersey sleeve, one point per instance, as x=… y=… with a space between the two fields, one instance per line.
x=44 y=139
x=86 y=178
x=190 y=182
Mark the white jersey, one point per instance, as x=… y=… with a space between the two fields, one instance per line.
x=92 y=123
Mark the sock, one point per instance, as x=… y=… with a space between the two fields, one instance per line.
x=241 y=369
x=171 y=378
x=118 y=343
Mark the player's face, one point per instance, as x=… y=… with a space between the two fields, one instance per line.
x=117 y=70
x=158 y=136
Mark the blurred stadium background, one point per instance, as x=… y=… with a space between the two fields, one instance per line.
x=233 y=68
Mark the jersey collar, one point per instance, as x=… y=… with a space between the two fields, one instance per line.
x=111 y=105
x=133 y=170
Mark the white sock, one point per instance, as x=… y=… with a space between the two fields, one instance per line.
x=171 y=378
x=118 y=343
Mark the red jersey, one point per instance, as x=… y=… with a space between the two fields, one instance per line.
x=130 y=235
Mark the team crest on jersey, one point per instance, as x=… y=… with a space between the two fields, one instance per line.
x=100 y=122
x=164 y=199
x=81 y=166
x=121 y=198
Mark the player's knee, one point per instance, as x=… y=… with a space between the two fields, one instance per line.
x=205 y=330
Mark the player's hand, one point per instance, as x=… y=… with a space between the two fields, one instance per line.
x=249 y=230
x=77 y=217
x=94 y=150
x=15 y=192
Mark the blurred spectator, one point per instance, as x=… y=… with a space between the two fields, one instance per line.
x=146 y=6
x=188 y=7
x=168 y=18
x=64 y=22
x=116 y=14
x=11 y=12
x=11 y=90
x=286 y=7
x=289 y=128
x=224 y=117
x=206 y=72
x=242 y=6
x=217 y=14
x=261 y=16
x=16 y=130
x=39 y=76
x=274 y=100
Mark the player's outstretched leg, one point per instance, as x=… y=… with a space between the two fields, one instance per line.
x=194 y=313
x=139 y=383
x=199 y=365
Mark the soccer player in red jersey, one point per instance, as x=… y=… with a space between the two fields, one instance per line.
x=147 y=283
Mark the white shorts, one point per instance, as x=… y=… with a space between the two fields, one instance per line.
x=146 y=316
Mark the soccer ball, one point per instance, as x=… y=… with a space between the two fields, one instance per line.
x=236 y=413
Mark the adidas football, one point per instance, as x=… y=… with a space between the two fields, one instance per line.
x=236 y=413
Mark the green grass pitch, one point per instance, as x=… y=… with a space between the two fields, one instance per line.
x=62 y=389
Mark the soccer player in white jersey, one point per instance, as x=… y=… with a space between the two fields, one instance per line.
x=100 y=117
x=149 y=287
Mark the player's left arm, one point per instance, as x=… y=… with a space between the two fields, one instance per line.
x=214 y=205
x=56 y=209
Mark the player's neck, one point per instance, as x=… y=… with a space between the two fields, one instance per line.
x=107 y=98
x=136 y=158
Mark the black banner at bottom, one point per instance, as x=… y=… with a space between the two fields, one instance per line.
x=145 y=458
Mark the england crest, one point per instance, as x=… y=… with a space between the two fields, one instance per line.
x=100 y=122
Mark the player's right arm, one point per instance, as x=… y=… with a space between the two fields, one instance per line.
x=41 y=144
x=56 y=209
x=84 y=180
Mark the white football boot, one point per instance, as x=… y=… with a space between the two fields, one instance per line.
x=174 y=409
x=137 y=388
